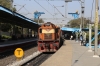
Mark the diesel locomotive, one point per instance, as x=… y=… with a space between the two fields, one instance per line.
x=49 y=37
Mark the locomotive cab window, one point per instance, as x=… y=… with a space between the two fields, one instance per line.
x=56 y=30
x=40 y=30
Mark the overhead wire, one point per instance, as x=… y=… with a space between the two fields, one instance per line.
x=49 y=3
x=58 y=11
x=18 y=4
x=79 y=2
x=56 y=8
x=27 y=11
x=23 y=6
x=43 y=7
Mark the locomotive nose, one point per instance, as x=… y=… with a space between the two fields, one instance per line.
x=49 y=35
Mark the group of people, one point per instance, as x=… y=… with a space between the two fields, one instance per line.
x=79 y=37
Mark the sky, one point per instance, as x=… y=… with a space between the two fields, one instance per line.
x=30 y=6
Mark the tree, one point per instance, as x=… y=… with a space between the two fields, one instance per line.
x=75 y=23
x=6 y=3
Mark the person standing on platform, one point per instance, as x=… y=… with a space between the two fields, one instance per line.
x=71 y=37
x=81 y=39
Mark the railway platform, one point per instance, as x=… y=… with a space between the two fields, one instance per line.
x=16 y=41
x=72 y=54
x=9 y=45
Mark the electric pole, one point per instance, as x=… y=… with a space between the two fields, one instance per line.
x=82 y=13
x=90 y=28
x=66 y=9
x=96 y=28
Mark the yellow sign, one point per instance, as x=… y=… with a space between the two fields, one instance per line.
x=19 y=52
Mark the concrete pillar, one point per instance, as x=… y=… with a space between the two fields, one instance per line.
x=13 y=30
x=13 y=33
x=25 y=32
x=0 y=34
x=22 y=33
x=34 y=33
x=31 y=33
x=0 y=31
x=28 y=33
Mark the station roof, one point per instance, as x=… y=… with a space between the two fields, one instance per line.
x=69 y=29
x=75 y=29
x=86 y=29
x=8 y=16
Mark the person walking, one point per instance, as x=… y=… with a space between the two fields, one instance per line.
x=81 y=39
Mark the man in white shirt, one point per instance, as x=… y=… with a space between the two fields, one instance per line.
x=71 y=37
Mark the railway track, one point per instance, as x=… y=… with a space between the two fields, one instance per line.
x=11 y=58
x=33 y=60
x=11 y=51
x=8 y=57
x=13 y=45
x=38 y=60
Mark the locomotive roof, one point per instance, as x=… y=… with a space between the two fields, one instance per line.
x=49 y=23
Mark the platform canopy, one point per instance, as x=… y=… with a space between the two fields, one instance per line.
x=70 y=29
x=86 y=29
x=8 y=16
x=75 y=29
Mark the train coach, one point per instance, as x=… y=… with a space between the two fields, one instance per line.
x=49 y=37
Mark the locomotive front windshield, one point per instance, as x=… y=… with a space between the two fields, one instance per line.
x=48 y=31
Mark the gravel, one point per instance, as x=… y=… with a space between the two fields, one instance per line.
x=10 y=59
